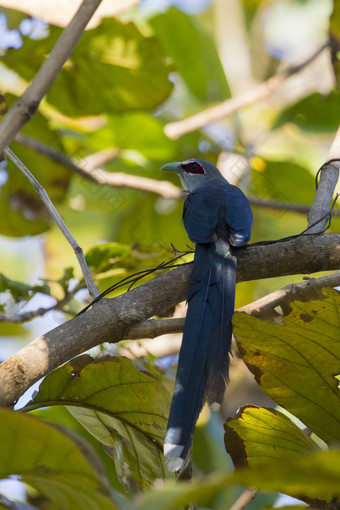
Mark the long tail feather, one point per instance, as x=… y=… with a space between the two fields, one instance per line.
x=203 y=359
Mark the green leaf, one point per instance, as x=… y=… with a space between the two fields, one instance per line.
x=19 y=290
x=24 y=211
x=194 y=54
x=113 y=68
x=315 y=113
x=259 y=436
x=295 y=360
x=334 y=29
x=51 y=462
x=100 y=258
x=275 y=181
x=316 y=475
x=309 y=477
x=122 y=406
x=136 y=131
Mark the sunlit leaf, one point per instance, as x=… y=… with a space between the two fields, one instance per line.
x=137 y=131
x=51 y=462
x=113 y=68
x=194 y=54
x=316 y=476
x=295 y=360
x=122 y=406
x=311 y=477
x=259 y=436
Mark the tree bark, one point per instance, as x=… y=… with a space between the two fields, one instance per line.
x=110 y=319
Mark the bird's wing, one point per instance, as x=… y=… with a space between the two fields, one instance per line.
x=239 y=216
x=200 y=216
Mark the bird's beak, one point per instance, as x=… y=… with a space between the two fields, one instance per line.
x=171 y=167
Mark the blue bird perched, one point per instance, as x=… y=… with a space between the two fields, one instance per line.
x=217 y=217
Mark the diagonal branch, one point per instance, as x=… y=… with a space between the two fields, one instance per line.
x=110 y=319
x=88 y=168
x=175 y=130
x=25 y=107
x=57 y=218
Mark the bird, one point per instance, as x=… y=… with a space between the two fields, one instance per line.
x=218 y=218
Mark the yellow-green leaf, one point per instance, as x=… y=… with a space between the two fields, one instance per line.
x=261 y=436
x=51 y=462
x=123 y=407
x=312 y=476
x=296 y=359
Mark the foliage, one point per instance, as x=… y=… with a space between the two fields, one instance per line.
x=126 y=80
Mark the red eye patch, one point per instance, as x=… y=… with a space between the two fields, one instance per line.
x=192 y=168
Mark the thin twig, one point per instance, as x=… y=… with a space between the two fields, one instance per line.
x=88 y=169
x=329 y=174
x=175 y=130
x=25 y=107
x=55 y=215
x=246 y=497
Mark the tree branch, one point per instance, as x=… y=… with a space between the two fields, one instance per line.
x=25 y=107
x=88 y=168
x=117 y=179
x=110 y=319
x=57 y=218
x=264 y=307
x=175 y=130
x=329 y=174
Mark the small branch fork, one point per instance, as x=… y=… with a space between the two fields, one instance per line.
x=94 y=292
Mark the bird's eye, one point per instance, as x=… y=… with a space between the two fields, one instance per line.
x=193 y=166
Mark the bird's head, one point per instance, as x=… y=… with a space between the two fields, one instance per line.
x=194 y=172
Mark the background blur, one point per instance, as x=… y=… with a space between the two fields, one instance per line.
x=111 y=108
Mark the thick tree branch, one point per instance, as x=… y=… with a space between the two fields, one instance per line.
x=175 y=130
x=110 y=319
x=329 y=174
x=57 y=218
x=264 y=307
x=25 y=107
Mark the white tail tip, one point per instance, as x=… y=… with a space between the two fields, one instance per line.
x=172 y=453
x=215 y=406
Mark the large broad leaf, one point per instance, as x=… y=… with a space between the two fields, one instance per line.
x=296 y=359
x=113 y=68
x=51 y=462
x=194 y=54
x=314 y=113
x=122 y=406
x=335 y=39
x=313 y=476
x=264 y=436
